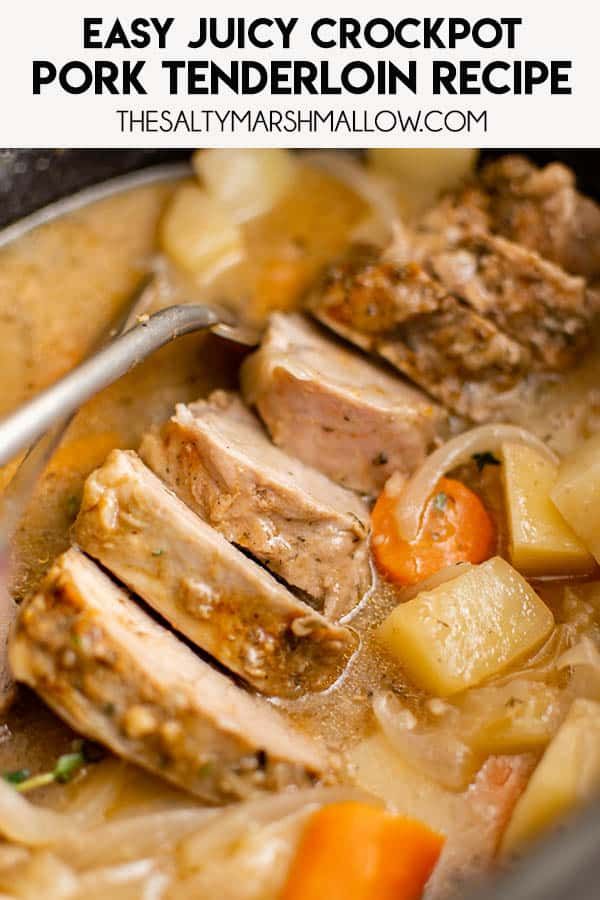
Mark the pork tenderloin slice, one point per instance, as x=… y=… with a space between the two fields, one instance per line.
x=311 y=532
x=335 y=410
x=538 y=208
x=402 y=314
x=541 y=208
x=209 y=591
x=117 y=676
x=528 y=298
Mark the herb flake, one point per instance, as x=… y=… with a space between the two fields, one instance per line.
x=381 y=459
x=67 y=766
x=65 y=769
x=440 y=500
x=16 y=777
x=485 y=459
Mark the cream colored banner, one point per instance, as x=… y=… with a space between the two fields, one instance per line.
x=303 y=74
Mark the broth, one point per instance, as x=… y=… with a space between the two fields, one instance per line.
x=60 y=287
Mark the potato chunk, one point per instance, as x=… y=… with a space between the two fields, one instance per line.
x=568 y=774
x=577 y=493
x=198 y=234
x=541 y=542
x=467 y=629
x=247 y=182
x=515 y=717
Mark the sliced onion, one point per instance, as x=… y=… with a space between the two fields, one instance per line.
x=90 y=799
x=367 y=186
x=542 y=665
x=25 y=823
x=260 y=860
x=232 y=823
x=12 y=855
x=376 y=193
x=456 y=452
x=128 y=839
x=436 y=752
x=585 y=653
x=139 y=880
x=584 y=661
x=42 y=875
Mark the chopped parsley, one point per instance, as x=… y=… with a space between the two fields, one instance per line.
x=65 y=769
x=67 y=766
x=17 y=777
x=440 y=500
x=485 y=459
x=513 y=701
x=158 y=552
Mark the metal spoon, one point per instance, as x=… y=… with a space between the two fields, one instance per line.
x=18 y=492
x=50 y=413
x=21 y=428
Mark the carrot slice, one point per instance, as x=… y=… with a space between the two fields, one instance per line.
x=456 y=528
x=353 y=851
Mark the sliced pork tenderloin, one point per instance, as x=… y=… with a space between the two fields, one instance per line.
x=538 y=208
x=533 y=301
x=402 y=314
x=541 y=208
x=218 y=459
x=206 y=588
x=117 y=676
x=335 y=410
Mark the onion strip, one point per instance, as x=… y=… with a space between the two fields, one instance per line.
x=23 y=822
x=43 y=875
x=367 y=186
x=231 y=824
x=90 y=799
x=127 y=839
x=585 y=653
x=132 y=881
x=437 y=752
x=540 y=666
x=456 y=452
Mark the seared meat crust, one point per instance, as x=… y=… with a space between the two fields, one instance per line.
x=311 y=532
x=206 y=588
x=407 y=317
x=529 y=299
x=542 y=210
x=117 y=676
